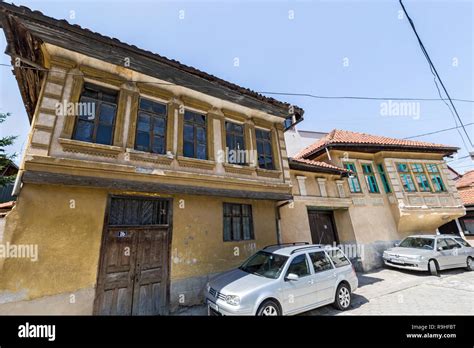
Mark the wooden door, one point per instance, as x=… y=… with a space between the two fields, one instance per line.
x=149 y=293
x=322 y=227
x=133 y=277
x=117 y=272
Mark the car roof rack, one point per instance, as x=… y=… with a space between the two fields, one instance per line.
x=285 y=244
x=306 y=247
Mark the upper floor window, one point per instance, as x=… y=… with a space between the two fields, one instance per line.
x=235 y=143
x=353 y=180
x=420 y=177
x=370 y=178
x=194 y=135
x=151 y=127
x=383 y=176
x=96 y=120
x=435 y=176
x=406 y=178
x=264 y=149
x=238 y=223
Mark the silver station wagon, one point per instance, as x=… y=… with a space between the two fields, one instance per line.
x=284 y=280
x=431 y=253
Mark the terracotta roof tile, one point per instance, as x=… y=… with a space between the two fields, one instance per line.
x=318 y=164
x=344 y=137
x=466 y=180
x=467 y=196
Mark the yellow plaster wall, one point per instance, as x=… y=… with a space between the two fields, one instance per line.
x=68 y=240
x=198 y=247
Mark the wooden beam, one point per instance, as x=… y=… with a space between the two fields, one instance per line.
x=34 y=177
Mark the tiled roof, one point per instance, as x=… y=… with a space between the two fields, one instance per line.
x=294 y=162
x=344 y=137
x=77 y=29
x=466 y=180
x=467 y=196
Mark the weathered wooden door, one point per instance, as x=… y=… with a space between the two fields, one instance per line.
x=133 y=274
x=323 y=229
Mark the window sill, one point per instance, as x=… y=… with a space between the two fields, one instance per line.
x=149 y=157
x=196 y=163
x=70 y=145
x=268 y=173
x=238 y=169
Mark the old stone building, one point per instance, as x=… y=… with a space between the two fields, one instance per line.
x=368 y=192
x=128 y=185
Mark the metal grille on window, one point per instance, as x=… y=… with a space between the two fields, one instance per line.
x=137 y=212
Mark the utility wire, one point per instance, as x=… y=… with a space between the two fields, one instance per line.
x=435 y=72
x=438 y=131
x=309 y=95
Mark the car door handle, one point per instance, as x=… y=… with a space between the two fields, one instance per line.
x=311 y=281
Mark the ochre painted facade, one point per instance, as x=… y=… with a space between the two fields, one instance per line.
x=66 y=183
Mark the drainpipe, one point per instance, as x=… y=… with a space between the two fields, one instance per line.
x=278 y=218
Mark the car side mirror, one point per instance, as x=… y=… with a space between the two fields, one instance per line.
x=439 y=248
x=292 y=276
x=396 y=244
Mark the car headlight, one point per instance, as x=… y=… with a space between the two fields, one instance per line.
x=232 y=300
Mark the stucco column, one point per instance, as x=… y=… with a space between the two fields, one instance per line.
x=322 y=186
x=302 y=185
x=340 y=188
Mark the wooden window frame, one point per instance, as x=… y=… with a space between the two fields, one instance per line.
x=195 y=141
x=356 y=177
x=151 y=133
x=265 y=141
x=383 y=177
x=100 y=90
x=241 y=227
x=431 y=175
x=407 y=173
x=419 y=173
x=371 y=174
x=233 y=134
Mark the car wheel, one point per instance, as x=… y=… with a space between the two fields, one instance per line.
x=470 y=264
x=343 y=297
x=269 y=308
x=432 y=267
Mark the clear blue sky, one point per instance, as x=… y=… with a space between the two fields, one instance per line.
x=300 y=55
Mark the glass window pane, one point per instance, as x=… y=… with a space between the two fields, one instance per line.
x=299 y=266
x=142 y=141
x=159 y=126
x=104 y=135
x=236 y=228
x=267 y=148
x=107 y=114
x=87 y=108
x=143 y=122
x=188 y=149
x=320 y=261
x=188 y=116
x=188 y=133
x=201 y=151
x=158 y=145
x=247 y=228
x=227 y=229
x=201 y=134
x=84 y=130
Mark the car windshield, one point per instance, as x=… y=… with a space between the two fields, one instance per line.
x=265 y=264
x=417 y=243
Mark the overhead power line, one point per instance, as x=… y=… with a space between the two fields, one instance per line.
x=435 y=72
x=309 y=95
x=438 y=131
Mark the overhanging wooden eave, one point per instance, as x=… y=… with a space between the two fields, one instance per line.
x=35 y=177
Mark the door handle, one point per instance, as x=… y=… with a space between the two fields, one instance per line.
x=311 y=281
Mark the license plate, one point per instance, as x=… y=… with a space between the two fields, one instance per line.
x=401 y=262
x=213 y=305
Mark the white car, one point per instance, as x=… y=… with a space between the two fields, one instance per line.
x=284 y=280
x=431 y=253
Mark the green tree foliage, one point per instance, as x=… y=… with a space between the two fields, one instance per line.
x=5 y=159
